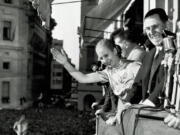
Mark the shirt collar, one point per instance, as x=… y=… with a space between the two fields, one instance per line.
x=159 y=48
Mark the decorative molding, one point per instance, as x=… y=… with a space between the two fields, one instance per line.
x=5 y=47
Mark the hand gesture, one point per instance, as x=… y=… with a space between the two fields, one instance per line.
x=59 y=56
x=173 y=121
x=21 y=126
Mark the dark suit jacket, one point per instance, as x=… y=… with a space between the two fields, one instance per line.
x=140 y=86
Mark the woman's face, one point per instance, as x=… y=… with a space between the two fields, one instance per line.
x=106 y=56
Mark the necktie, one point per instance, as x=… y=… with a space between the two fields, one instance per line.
x=154 y=63
x=158 y=49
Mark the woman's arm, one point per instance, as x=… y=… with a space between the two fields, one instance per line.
x=61 y=58
x=120 y=107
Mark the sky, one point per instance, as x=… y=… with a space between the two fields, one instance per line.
x=67 y=17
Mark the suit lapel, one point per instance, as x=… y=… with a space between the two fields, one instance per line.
x=157 y=62
x=150 y=59
x=146 y=70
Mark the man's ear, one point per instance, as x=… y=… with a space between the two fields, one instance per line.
x=166 y=25
x=115 y=51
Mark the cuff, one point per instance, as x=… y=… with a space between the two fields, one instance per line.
x=148 y=102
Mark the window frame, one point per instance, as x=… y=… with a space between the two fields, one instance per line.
x=5 y=99
x=6 y=33
x=9 y=65
x=8 y=1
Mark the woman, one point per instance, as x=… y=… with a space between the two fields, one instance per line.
x=120 y=73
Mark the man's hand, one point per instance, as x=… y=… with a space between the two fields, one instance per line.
x=94 y=104
x=99 y=111
x=173 y=121
x=111 y=120
x=147 y=102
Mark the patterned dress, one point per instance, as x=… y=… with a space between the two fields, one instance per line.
x=121 y=77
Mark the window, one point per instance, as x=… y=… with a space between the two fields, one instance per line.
x=8 y=1
x=57 y=66
x=7 y=30
x=100 y=1
x=56 y=81
x=92 y=2
x=6 y=65
x=90 y=56
x=59 y=74
x=5 y=91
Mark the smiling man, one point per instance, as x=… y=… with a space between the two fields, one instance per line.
x=154 y=26
x=151 y=77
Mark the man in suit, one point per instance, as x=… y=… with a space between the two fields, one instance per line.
x=150 y=80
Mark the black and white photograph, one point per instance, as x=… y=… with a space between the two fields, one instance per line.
x=89 y=67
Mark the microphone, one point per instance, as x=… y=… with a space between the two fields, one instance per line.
x=178 y=44
x=178 y=34
x=176 y=91
x=169 y=50
x=168 y=44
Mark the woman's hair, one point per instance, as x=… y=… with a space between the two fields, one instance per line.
x=110 y=45
x=106 y=43
x=131 y=35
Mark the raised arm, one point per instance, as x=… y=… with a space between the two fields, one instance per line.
x=62 y=58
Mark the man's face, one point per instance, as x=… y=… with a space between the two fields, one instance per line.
x=154 y=28
x=106 y=56
x=120 y=42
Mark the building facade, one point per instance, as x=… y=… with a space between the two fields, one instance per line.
x=24 y=54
